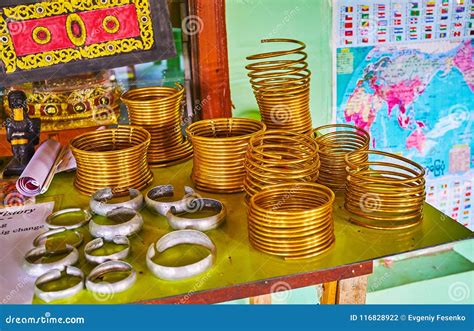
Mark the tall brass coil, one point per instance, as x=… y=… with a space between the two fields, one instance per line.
x=277 y=156
x=387 y=192
x=220 y=146
x=292 y=220
x=280 y=81
x=113 y=158
x=158 y=110
x=335 y=141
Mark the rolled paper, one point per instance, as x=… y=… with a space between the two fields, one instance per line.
x=37 y=172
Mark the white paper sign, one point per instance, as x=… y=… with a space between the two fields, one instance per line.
x=18 y=228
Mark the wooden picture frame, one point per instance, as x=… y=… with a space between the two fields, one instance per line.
x=209 y=58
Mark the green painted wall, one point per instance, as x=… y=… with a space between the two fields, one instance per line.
x=249 y=21
x=452 y=289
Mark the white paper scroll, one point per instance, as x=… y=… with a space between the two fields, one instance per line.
x=38 y=174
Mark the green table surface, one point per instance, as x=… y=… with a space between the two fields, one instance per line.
x=237 y=262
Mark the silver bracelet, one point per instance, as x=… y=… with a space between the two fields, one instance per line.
x=56 y=274
x=166 y=191
x=100 y=206
x=43 y=237
x=106 y=287
x=34 y=266
x=129 y=222
x=200 y=224
x=81 y=222
x=99 y=242
x=176 y=238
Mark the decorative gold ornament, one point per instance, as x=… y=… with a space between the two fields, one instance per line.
x=76 y=30
x=111 y=21
x=292 y=220
x=79 y=107
x=41 y=35
x=13 y=63
x=75 y=102
x=51 y=110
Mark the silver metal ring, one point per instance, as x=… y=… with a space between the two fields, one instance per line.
x=167 y=191
x=106 y=287
x=34 y=266
x=100 y=206
x=177 y=238
x=129 y=222
x=43 y=237
x=56 y=274
x=200 y=224
x=50 y=218
x=99 y=242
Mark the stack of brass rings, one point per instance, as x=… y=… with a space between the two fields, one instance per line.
x=280 y=81
x=385 y=192
x=220 y=146
x=277 y=156
x=114 y=158
x=335 y=141
x=158 y=110
x=292 y=220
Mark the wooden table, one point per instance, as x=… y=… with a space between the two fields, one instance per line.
x=241 y=271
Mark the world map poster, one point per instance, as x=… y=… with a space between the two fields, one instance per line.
x=416 y=100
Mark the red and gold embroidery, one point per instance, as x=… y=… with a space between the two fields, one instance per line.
x=111 y=24
x=41 y=35
x=61 y=31
x=76 y=30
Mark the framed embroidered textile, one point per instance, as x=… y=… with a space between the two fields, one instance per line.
x=43 y=40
